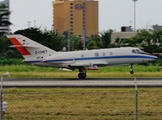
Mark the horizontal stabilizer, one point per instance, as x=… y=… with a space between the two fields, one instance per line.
x=22 y=46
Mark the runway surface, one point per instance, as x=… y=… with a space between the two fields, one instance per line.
x=89 y=82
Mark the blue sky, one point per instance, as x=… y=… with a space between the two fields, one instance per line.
x=112 y=14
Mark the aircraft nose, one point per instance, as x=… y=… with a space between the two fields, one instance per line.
x=150 y=58
x=153 y=57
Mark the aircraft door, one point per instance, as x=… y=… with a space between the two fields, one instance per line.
x=71 y=58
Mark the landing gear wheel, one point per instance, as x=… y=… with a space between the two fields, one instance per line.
x=132 y=72
x=82 y=75
x=79 y=75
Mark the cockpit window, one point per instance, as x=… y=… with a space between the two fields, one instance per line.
x=141 y=51
x=134 y=51
x=138 y=51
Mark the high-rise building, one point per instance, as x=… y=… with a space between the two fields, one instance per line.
x=75 y=16
x=4 y=27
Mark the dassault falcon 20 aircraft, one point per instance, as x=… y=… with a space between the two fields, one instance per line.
x=40 y=55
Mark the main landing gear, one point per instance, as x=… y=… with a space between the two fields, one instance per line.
x=132 y=69
x=82 y=73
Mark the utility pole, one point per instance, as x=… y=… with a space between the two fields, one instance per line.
x=134 y=14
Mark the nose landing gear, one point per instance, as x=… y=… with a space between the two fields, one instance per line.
x=132 y=69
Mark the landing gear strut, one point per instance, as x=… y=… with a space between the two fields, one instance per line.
x=82 y=73
x=132 y=69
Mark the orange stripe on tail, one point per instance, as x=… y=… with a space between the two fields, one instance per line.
x=21 y=48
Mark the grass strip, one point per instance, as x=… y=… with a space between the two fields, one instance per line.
x=81 y=103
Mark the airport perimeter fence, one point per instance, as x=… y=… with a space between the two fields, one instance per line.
x=83 y=103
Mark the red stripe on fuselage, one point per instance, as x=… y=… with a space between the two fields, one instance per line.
x=21 y=49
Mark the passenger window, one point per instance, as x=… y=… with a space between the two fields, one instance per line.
x=96 y=54
x=82 y=55
x=111 y=53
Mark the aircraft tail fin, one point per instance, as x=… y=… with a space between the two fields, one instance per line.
x=29 y=49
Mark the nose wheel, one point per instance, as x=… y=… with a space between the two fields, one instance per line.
x=131 y=72
x=132 y=69
x=82 y=75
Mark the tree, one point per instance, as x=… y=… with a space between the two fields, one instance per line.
x=51 y=39
x=106 y=38
x=57 y=40
x=94 y=42
x=4 y=22
x=75 y=43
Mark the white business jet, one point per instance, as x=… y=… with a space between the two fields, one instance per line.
x=40 y=55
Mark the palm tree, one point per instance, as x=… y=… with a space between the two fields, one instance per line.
x=4 y=22
x=75 y=43
x=106 y=38
x=57 y=40
x=94 y=42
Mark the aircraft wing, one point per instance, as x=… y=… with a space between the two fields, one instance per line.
x=87 y=64
x=78 y=64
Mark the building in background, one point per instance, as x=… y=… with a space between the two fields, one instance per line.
x=5 y=26
x=126 y=33
x=157 y=27
x=75 y=16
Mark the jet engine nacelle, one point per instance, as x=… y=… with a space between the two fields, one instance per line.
x=92 y=68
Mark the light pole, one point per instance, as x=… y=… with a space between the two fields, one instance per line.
x=29 y=24
x=34 y=23
x=1 y=93
x=134 y=15
x=68 y=40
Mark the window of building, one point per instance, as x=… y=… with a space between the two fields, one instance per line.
x=71 y=7
x=71 y=18
x=71 y=29
x=71 y=25
x=71 y=3
x=71 y=22
x=71 y=33
x=84 y=5
x=71 y=14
